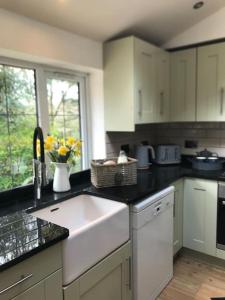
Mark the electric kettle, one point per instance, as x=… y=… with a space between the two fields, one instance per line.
x=142 y=156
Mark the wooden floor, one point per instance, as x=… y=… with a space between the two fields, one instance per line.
x=195 y=278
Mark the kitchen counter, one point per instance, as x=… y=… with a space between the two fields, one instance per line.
x=153 y=180
x=22 y=235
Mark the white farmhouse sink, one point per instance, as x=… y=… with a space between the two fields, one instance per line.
x=97 y=226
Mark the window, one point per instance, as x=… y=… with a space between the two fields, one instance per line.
x=17 y=122
x=25 y=93
x=63 y=94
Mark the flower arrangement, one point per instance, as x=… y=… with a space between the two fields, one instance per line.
x=63 y=150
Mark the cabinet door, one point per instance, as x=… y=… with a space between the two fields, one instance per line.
x=145 y=82
x=37 y=292
x=110 y=279
x=178 y=216
x=162 y=87
x=183 y=86
x=211 y=83
x=119 y=85
x=200 y=205
x=47 y=289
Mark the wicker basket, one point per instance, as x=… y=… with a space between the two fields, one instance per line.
x=114 y=175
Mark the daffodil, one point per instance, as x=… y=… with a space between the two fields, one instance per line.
x=71 y=141
x=49 y=146
x=63 y=150
x=50 y=139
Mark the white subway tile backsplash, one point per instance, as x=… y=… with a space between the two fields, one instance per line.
x=210 y=135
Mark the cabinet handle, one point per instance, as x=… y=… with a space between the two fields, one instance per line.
x=174 y=204
x=139 y=103
x=128 y=272
x=16 y=283
x=197 y=189
x=161 y=103
x=174 y=208
x=146 y=54
x=221 y=100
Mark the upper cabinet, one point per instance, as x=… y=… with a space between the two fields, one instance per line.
x=183 y=86
x=136 y=84
x=211 y=83
x=162 y=86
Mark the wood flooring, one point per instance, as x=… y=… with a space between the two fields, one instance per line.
x=195 y=279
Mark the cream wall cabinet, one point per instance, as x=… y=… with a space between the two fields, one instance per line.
x=162 y=111
x=178 y=215
x=211 y=83
x=44 y=268
x=110 y=279
x=136 y=84
x=200 y=207
x=183 y=86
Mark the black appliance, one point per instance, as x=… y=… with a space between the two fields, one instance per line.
x=220 y=236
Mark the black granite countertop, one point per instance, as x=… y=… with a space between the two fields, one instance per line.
x=22 y=235
x=153 y=180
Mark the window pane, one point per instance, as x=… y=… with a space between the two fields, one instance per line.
x=64 y=109
x=5 y=158
x=2 y=91
x=21 y=129
x=17 y=122
x=20 y=91
x=63 y=97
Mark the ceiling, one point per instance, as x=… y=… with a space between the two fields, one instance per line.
x=154 y=20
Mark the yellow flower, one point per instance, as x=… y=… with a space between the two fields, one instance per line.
x=50 y=139
x=78 y=144
x=63 y=150
x=70 y=141
x=48 y=146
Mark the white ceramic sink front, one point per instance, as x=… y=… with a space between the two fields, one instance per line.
x=97 y=226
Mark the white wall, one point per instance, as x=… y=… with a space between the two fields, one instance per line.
x=26 y=39
x=211 y=28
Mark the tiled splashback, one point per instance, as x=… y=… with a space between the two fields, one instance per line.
x=115 y=139
x=209 y=135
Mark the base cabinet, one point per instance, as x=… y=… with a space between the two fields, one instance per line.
x=178 y=215
x=108 y=280
x=38 y=277
x=50 y=288
x=200 y=208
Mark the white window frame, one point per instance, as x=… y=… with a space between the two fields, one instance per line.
x=41 y=72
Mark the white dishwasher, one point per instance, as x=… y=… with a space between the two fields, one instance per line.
x=152 y=234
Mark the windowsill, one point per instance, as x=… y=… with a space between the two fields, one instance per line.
x=26 y=193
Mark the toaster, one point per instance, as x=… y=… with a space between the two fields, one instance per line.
x=166 y=154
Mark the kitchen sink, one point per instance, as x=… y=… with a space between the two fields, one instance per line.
x=97 y=226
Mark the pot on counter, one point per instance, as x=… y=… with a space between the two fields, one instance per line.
x=207 y=161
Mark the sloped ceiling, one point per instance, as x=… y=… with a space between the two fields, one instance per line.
x=157 y=21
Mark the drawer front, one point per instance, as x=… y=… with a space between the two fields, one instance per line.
x=22 y=276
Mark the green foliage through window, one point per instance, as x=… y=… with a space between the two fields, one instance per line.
x=17 y=122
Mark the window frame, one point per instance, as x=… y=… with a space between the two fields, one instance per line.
x=40 y=73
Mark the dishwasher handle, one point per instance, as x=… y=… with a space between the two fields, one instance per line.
x=157 y=210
